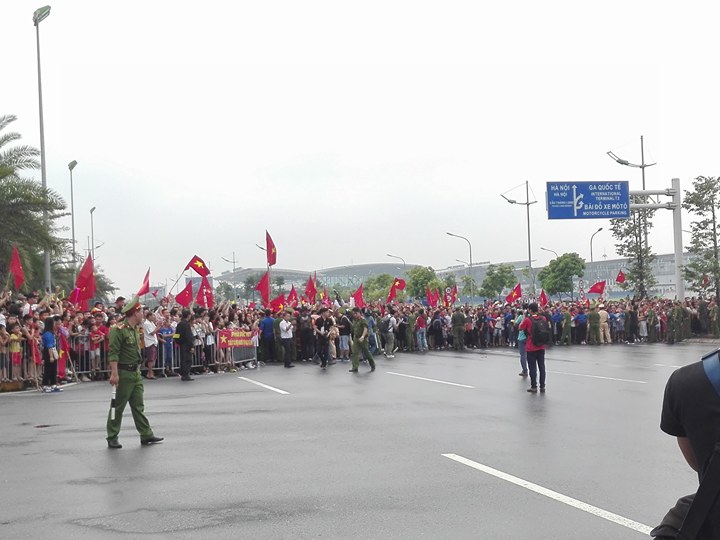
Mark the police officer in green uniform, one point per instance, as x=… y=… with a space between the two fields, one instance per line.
x=714 y=320
x=594 y=323
x=410 y=331
x=361 y=335
x=125 y=362
x=458 y=329
x=566 y=327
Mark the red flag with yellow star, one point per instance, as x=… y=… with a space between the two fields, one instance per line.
x=145 y=287
x=292 y=299
x=85 y=281
x=263 y=287
x=197 y=264
x=278 y=303
x=358 y=297
x=543 y=299
x=184 y=297
x=311 y=290
x=205 y=294
x=270 y=249
x=514 y=295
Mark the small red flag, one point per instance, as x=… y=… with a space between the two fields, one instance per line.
x=145 y=287
x=292 y=299
x=155 y=293
x=85 y=281
x=16 y=268
x=399 y=284
x=205 y=294
x=277 y=303
x=311 y=290
x=184 y=297
x=271 y=251
x=263 y=287
x=620 y=277
x=325 y=298
x=706 y=281
x=543 y=299
x=430 y=297
x=597 y=288
x=197 y=264
x=514 y=295
x=358 y=297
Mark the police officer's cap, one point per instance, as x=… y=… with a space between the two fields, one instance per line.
x=132 y=306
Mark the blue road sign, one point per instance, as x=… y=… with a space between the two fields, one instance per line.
x=588 y=200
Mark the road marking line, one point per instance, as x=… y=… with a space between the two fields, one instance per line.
x=265 y=386
x=585 y=507
x=597 y=377
x=431 y=380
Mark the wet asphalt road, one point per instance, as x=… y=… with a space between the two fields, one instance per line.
x=356 y=455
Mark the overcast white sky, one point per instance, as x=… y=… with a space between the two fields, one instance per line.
x=353 y=130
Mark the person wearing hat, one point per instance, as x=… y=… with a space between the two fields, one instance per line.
x=604 y=325
x=125 y=361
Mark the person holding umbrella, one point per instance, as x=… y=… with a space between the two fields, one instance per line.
x=125 y=361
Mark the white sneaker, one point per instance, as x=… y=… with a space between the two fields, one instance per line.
x=46 y=389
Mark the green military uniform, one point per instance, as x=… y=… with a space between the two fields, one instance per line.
x=565 y=337
x=651 y=322
x=714 y=322
x=125 y=350
x=458 y=329
x=594 y=324
x=410 y=332
x=360 y=327
x=279 y=349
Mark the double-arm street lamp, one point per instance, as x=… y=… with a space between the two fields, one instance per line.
x=470 y=266
x=403 y=261
x=551 y=251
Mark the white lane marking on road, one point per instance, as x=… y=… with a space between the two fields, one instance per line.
x=425 y=379
x=265 y=386
x=585 y=507
x=597 y=377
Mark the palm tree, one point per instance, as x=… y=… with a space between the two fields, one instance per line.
x=22 y=204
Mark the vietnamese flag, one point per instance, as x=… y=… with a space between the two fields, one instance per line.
x=155 y=293
x=145 y=287
x=205 y=294
x=311 y=290
x=85 y=281
x=399 y=284
x=277 y=303
x=184 y=297
x=263 y=287
x=597 y=288
x=16 y=268
x=454 y=293
x=270 y=249
x=324 y=297
x=197 y=264
x=357 y=296
x=514 y=295
x=543 y=299
x=292 y=299
x=620 y=277
x=430 y=297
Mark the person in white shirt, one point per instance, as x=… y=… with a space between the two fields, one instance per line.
x=286 y=337
x=150 y=340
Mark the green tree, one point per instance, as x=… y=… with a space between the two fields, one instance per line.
x=419 y=277
x=279 y=283
x=224 y=291
x=22 y=203
x=630 y=236
x=557 y=277
x=378 y=287
x=249 y=285
x=497 y=277
x=468 y=285
x=703 y=202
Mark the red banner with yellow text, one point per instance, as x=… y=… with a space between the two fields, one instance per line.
x=234 y=338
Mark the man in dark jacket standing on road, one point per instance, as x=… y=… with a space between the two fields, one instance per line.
x=535 y=351
x=184 y=339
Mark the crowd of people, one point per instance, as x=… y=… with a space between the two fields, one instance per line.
x=74 y=344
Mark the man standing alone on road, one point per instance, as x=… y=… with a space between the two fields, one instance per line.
x=537 y=330
x=360 y=332
x=286 y=336
x=185 y=342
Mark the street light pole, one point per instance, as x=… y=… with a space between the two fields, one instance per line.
x=403 y=261
x=233 y=279
x=92 y=234
x=71 y=166
x=551 y=251
x=40 y=15
x=527 y=204
x=591 y=243
x=472 y=286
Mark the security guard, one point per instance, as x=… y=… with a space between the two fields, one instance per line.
x=594 y=323
x=361 y=336
x=125 y=361
x=458 y=329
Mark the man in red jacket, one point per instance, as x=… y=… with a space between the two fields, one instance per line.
x=535 y=351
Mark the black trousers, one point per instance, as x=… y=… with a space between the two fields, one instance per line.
x=185 y=360
x=49 y=370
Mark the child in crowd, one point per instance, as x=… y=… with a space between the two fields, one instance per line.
x=15 y=349
x=97 y=338
x=3 y=354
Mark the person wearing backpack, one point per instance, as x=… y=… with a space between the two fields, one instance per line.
x=538 y=335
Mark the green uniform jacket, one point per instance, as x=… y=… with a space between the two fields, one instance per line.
x=125 y=344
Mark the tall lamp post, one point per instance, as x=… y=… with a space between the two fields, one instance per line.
x=71 y=166
x=591 y=244
x=92 y=234
x=233 y=279
x=527 y=204
x=403 y=261
x=472 y=287
x=39 y=16
x=551 y=251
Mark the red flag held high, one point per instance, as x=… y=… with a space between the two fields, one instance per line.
x=270 y=249
x=430 y=297
x=597 y=288
x=145 y=287
x=155 y=293
x=292 y=299
x=197 y=264
x=86 y=280
x=16 y=268
x=454 y=293
x=543 y=299
x=184 y=297
x=263 y=287
x=277 y=303
x=399 y=284
x=311 y=290
x=205 y=294
x=620 y=277
x=324 y=297
x=514 y=295
x=358 y=297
